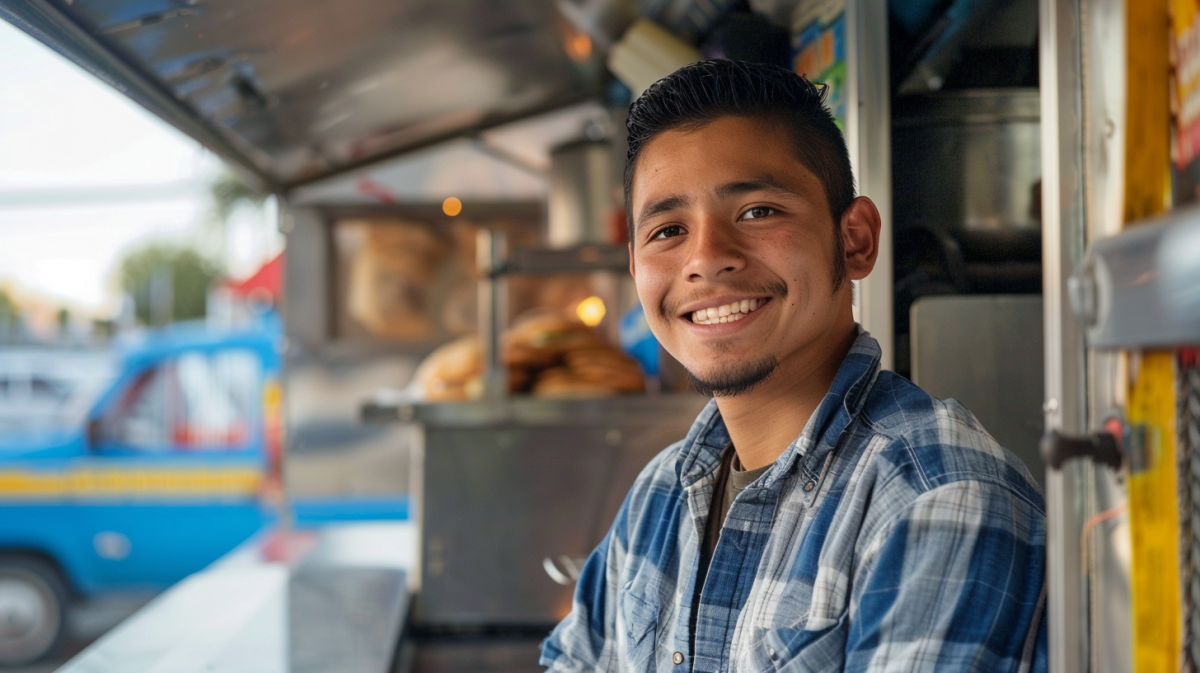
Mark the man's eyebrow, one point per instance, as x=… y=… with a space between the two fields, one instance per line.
x=761 y=184
x=663 y=205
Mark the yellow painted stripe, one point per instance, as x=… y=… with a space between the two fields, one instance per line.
x=1154 y=516
x=1147 y=109
x=100 y=482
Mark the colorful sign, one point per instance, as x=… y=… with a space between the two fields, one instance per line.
x=819 y=30
x=1185 y=50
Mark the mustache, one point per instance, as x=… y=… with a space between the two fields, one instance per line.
x=671 y=308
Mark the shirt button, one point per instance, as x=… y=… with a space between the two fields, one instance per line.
x=808 y=486
x=677 y=658
x=771 y=652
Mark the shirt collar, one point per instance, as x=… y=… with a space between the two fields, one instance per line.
x=701 y=451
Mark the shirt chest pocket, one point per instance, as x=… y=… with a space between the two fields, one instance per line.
x=641 y=631
x=800 y=650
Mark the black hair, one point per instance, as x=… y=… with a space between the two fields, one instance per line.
x=702 y=92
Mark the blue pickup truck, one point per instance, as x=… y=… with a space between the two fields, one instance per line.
x=172 y=464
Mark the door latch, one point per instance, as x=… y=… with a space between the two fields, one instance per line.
x=1103 y=447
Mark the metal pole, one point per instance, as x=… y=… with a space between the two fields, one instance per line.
x=1063 y=237
x=490 y=255
x=869 y=139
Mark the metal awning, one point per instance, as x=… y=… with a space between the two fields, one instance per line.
x=294 y=91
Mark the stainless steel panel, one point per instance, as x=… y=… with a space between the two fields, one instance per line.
x=344 y=619
x=1063 y=234
x=986 y=352
x=506 y=486
x=308 y=270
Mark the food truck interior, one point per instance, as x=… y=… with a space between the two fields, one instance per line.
x=456 y=294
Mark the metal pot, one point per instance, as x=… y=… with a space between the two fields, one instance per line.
x=967 y=164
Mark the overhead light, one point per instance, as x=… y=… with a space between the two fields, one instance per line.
x=646 y=53
x=452 y=206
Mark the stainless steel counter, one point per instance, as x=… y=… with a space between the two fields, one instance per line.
x=313 y=601
x=530 y=410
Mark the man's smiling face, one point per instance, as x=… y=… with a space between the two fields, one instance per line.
x=734 y=252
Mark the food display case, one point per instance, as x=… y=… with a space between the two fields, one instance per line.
x=513 y=491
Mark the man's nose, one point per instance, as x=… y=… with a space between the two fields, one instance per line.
x=715 y=251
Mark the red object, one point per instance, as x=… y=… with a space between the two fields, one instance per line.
x=268 y=281
x=287 y=546
x=368 y=187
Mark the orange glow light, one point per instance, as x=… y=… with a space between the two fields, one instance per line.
x=579 y=47
x=452 y=206
x=591 y=311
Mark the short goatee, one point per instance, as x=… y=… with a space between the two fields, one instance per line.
x=736 y=382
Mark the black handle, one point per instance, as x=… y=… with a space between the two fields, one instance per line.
x=1101 y=447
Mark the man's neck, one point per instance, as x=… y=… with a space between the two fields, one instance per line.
x=763 y=422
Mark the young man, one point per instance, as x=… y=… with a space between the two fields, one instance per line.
x=821 y=514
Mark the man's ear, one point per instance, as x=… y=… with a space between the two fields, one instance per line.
x=860 y=237
x=632 y=269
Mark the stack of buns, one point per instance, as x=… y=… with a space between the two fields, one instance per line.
x=548 y=354
x=452 y=372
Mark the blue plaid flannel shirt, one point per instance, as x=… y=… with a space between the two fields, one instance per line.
x=893 y=534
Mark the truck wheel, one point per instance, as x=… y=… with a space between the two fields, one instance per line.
x=33 y=601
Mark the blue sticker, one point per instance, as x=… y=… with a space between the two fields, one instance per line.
x=638 y=341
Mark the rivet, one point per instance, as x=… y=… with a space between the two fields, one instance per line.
x=809 y=485
x=677 y=658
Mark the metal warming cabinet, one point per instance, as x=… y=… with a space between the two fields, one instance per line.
x=512 y=497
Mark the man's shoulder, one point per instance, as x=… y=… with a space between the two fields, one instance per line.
x=931 y=443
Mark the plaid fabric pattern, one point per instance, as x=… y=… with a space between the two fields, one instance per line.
x=893 y=534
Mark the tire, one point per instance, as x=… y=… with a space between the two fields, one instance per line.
x=33 y=609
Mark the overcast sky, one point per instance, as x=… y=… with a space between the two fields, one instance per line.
x=68 y=145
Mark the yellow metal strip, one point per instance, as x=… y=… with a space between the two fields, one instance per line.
x=1154 y=514
x=136 y=483
x=1147 y=109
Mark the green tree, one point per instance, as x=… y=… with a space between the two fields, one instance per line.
x=10 y=316
x=228 y=192
x=8 y=308
x=168 y=282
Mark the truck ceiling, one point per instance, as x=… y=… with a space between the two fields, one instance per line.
x=293 y=91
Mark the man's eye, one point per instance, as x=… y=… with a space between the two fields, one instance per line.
x=668 y=232
x=757 y=212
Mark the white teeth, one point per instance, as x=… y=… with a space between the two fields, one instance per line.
x=725 y=313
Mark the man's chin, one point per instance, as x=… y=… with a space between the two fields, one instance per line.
x=733 y=381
